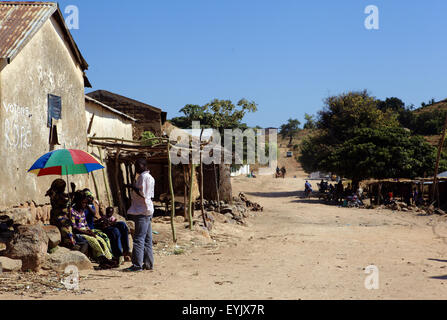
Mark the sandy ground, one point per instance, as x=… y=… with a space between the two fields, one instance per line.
x=295 y=249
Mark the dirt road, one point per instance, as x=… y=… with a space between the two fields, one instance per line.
x=296 y=249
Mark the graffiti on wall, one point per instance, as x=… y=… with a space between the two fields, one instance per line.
x=17 y=126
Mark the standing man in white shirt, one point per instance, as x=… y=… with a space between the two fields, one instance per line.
x=141 y=212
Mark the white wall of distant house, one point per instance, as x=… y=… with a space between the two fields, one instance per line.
x=244 y=170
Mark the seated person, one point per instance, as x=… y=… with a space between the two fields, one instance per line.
x=59 y=216
x=90 y=214
x=97 y=241
x=390 y=198
x=118 y=233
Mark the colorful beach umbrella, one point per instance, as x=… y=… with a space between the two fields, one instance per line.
x=65 y=162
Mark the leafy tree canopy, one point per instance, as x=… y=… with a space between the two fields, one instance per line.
x=310 y=122
x=290 y=129
x=218 y=114
x=382 y=153
x=342 y=114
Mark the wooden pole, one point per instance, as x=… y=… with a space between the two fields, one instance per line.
x=171 y=188
x=118 y=189
x=105 y=178
x=96 y=187
x=191 y=184
x=438 y=157
x=217 y=187
x=185 y=191
x=129 y=193
x=201 y=184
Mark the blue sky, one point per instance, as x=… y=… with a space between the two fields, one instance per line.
x=286 y=55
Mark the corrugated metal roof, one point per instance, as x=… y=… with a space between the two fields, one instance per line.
x=109 y=108
x=19 y=21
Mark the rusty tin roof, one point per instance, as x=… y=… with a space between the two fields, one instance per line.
x=21 y=20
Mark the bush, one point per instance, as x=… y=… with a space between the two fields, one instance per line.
x=147 y=139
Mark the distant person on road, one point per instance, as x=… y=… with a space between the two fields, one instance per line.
x=307 y=188
x=339 y=190
x=283 y=172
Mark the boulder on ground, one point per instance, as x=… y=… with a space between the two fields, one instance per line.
x=64 y=257
x=29 y=244
x=227 y=210
x=54 y=236
x=10 y=265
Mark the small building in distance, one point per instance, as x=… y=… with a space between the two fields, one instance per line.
x=104 y=121
x=149 y=117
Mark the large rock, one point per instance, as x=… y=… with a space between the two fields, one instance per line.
x=54 y=236
x=226 y=211
x=64 y=257
x=22 y=216
x=29 y=244
x=10 y=265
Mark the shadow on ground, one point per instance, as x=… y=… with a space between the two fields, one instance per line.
x=438 y=260
x=274 y=194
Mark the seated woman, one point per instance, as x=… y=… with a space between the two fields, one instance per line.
x=59 y=216
x=118 y=232
x=97 y=241
x=90 y=213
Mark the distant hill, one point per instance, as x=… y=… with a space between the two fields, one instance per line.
x=438 y=106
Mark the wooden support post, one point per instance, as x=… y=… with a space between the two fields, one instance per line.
x=105 y=178
x=217 y=187
x=379 y=192
x=185 y=191
x=171 y=188
x=191 y=184
x=129 y=194
x=96 y=186
x=120 y=198
x=201 y=184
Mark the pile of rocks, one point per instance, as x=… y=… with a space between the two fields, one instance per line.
x=253 y=205
x=236 y=212
x=402 y=206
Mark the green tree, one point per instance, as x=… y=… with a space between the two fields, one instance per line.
x=290 y=129
x=147 y=139
x=393 y=104
x=344 y=113
x=358 y=139
x=310 y=122
x=217 y=114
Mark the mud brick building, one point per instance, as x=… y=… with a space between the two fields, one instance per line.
x=149 y=118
